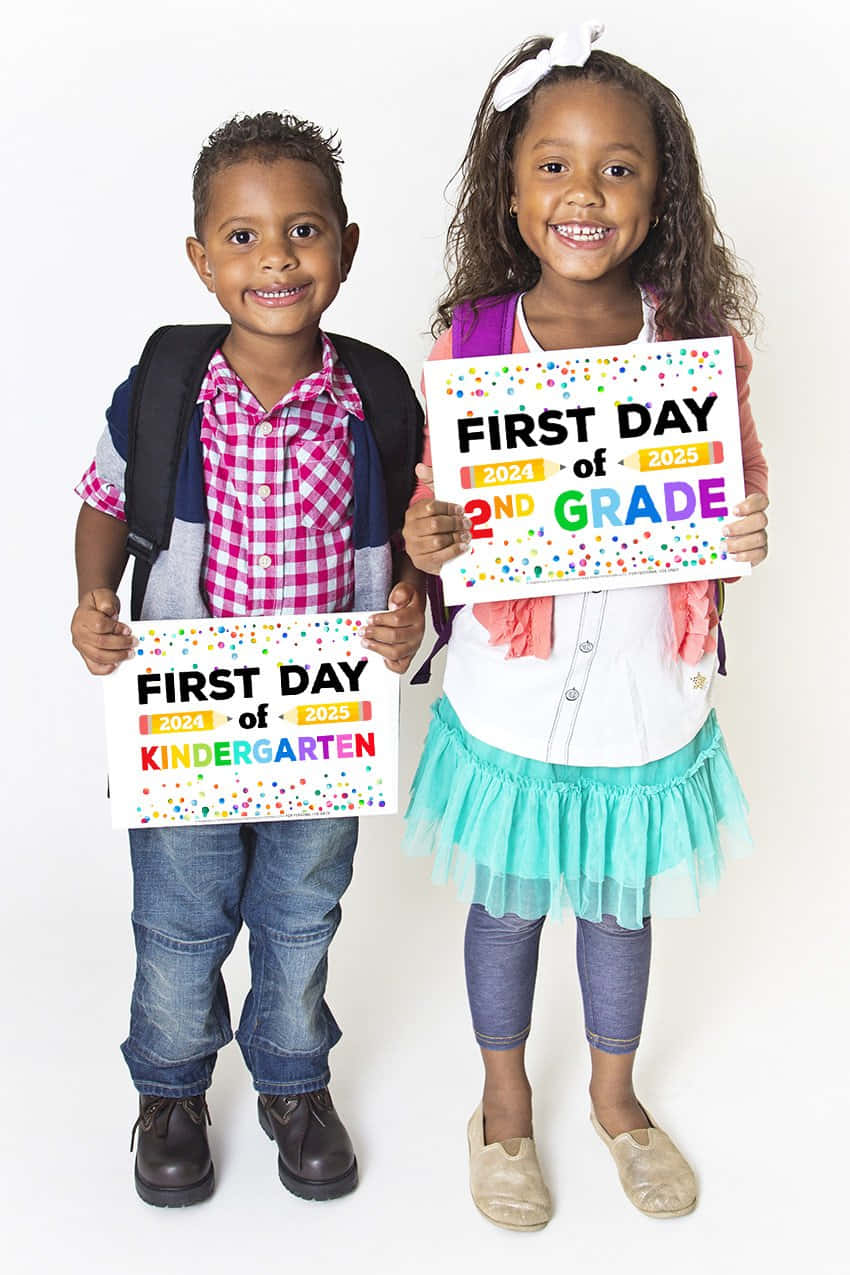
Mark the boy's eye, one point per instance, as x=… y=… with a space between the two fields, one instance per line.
x=241 y=237
x=303 y=231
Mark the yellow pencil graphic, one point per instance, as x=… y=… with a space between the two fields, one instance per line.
x=179 y=723
x=674 y=457
x=322 y=714
x=512 y=471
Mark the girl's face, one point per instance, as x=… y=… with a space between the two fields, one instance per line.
x=585 y=178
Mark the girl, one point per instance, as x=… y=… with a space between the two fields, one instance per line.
x=582 y=221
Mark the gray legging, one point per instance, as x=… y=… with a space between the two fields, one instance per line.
x=500 y=954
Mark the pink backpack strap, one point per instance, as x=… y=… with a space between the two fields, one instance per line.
x=487 y=327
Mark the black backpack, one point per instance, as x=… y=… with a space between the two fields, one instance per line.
x=165 y=392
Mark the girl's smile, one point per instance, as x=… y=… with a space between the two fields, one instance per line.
x=583 y=234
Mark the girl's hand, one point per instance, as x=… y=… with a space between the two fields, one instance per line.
x=434 y=531
x=397 y=633
x=747 y=538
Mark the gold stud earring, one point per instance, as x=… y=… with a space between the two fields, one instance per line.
x=654 y=222
x=512 y=210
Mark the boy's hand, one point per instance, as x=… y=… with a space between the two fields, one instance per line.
x=97 y=633
x=747 y=538
x=434 y=531
x=396 y=633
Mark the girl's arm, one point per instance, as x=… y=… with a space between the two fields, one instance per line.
x=434 y=531
x=747 y=536
x=755 y=465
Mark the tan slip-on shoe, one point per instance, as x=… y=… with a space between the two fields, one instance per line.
x=505 y=1180
x=656 y=1178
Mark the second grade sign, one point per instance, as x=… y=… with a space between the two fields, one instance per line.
x=588 y=469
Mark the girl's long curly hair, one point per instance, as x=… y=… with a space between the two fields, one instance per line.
x=698 y=284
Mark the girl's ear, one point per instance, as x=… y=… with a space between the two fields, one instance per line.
x=197 y=254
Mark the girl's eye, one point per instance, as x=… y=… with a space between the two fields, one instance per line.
x=553 y=166
x=618 y=170
x=303 y=231
x=241 y=237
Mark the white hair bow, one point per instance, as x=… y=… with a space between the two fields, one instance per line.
x=570 y=48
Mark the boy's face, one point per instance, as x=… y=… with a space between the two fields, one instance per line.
x=273 y=251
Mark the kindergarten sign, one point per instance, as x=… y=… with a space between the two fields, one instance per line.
x=271 y=718
x=588 y=469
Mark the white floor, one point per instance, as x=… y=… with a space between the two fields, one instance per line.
x=756 y=1117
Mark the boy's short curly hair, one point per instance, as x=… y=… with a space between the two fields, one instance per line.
x=267 y=137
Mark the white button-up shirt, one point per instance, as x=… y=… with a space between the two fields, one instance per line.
x=612 y=692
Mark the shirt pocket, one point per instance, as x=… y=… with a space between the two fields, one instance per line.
x=325 y=483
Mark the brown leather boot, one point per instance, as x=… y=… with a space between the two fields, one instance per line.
x=315 y=1156
x=173 y=1164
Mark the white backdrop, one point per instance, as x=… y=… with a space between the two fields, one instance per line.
x=744 y=1054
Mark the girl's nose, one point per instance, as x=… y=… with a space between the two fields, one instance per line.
x=583 y=190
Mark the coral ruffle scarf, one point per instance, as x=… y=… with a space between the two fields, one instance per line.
x=525 y=625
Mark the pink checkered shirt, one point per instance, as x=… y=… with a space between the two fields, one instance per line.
x=279 y=491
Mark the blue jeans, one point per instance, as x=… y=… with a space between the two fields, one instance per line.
x=501 y=969
x=192 y=889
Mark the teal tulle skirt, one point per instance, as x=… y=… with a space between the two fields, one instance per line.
x=530 y=837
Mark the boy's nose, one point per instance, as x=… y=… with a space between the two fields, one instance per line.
x=279 y=254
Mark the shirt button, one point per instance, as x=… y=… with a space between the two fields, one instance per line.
x=264 y=491
x=264 y=560
x=265 y=429
x=586 y=647
x=571 y=694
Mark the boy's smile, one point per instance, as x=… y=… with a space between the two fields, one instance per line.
x=273 y=250
x=585 y=177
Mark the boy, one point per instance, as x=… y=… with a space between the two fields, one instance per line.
x=267 y=527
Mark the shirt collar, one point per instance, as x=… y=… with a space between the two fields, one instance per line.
x=332 y=378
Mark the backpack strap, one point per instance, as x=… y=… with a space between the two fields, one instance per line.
x=394 y=414
x=484 y=327
x=480 y=328
x=165 y=391
x=720 y=602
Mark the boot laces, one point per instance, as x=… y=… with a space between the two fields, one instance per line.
x=283 y=1106
x=195 y=1107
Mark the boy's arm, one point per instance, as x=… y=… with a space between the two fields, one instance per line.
x=101 y=552
x=396 y=634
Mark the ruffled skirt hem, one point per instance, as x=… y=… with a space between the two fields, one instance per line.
x=531 y=838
